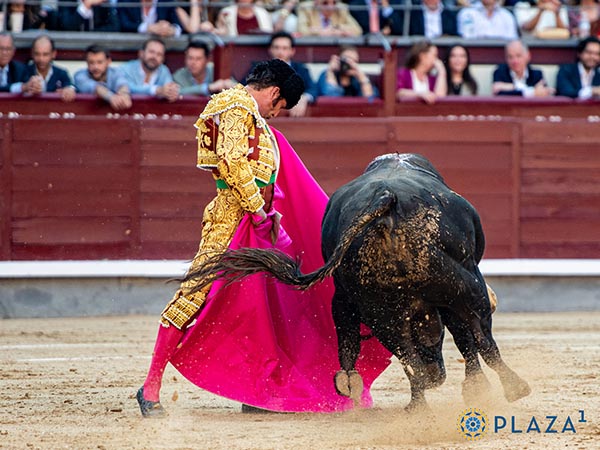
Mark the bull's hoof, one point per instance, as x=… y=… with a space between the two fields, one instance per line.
x=417 y=407
x=475 y=388
x=349 y=384
x=516 y=388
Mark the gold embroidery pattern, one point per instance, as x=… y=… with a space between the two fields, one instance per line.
x=221 y=218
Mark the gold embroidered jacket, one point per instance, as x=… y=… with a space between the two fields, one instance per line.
x=235 y=143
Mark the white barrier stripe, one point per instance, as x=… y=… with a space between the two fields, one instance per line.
x=177 y=268
x=74 y=358
x=63 y=345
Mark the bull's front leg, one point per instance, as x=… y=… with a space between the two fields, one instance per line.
x=346 y=317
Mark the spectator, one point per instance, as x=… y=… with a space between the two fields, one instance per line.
x=432 y=20
x=582 y=78
x=517 y=76
x=424 y=74
x=244 y=18
x=458 y=74
x=11 y=72
x=42 y=75
x=545 y=19
x=326 y=18
x=106 y=82
x=156 y=17
x=191 y=18
x=344 y=77
x=486 y=19
x=283 y=46
x=22 y=16
x=284 y=17
x=389 y=19
x=584 y=19
x=197 y=77
x=148 y=75
x=89 y=15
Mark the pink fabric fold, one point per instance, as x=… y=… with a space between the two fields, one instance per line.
x=266 y=344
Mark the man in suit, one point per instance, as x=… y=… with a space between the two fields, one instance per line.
x=432 y=20
x=517 y=76
x=11 y=72
x=390 y=16
x=582 y=78
x=155 y=17
x=89 y=15
x=43 y=75
x=283 y=46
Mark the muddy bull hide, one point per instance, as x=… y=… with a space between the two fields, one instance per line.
x=403 y=250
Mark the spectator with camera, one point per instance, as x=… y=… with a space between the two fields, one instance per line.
x=345 y=78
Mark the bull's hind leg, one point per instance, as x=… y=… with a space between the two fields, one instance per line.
x=476 y=384
x=346 y=317
x=514 y=386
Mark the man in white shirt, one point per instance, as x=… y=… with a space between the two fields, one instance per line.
x=487 y=19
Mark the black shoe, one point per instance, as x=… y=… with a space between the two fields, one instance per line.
x=148 y=408
x=247 y=409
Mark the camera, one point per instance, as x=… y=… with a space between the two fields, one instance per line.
x=344 y=66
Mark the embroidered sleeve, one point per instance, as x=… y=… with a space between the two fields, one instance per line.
x=232 y=150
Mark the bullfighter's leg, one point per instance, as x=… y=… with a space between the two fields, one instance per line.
x=346 y=317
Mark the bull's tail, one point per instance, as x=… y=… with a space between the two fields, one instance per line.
x=235 y=264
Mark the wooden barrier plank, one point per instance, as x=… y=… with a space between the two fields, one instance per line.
x=576 y=181
x=87 y=130
x=179 y=230
x=567 y=131
x=88 y=179
x=42 y=252
x=61 y=153
x=176 y=154
x=560 y=230
x=560 y=155
x=180 y=205
x=552 y=249
x=175 y=179
x=439 y=130
x=563 y=206
x=174 y=132
x=59 y=231
x=29 y=204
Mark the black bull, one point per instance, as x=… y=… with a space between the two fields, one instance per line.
x=403 y=249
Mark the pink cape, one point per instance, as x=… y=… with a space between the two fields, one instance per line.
x=267 y=344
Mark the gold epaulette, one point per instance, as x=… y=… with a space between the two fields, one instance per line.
x=236 y=97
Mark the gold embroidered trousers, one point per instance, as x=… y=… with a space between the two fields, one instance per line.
x=219 y=223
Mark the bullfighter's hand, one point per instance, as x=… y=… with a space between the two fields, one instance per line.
x=276 y=226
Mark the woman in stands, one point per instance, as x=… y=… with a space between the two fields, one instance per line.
x=458 y=73
x=244 y=17
x=424 y=74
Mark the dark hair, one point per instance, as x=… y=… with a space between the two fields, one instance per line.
x=468 y=79
x=417 y=49
x=282 y=34
x=582 y=44
x=199 y=44
x=42 y=37
x=277 y=73
x=95 y=48
x=153 y=39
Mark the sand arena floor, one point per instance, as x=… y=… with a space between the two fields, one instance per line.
x=70 y=384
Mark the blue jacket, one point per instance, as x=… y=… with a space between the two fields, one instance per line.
x=395 y=20
x=417 y=23
x=568 y=82
x=16 y=74
x=59 y=79
x=502 y=73
x=132 y=70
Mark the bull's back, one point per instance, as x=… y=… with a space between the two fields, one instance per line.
x=428 y=231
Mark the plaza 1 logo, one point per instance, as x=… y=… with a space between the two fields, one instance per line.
x=473 y=424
